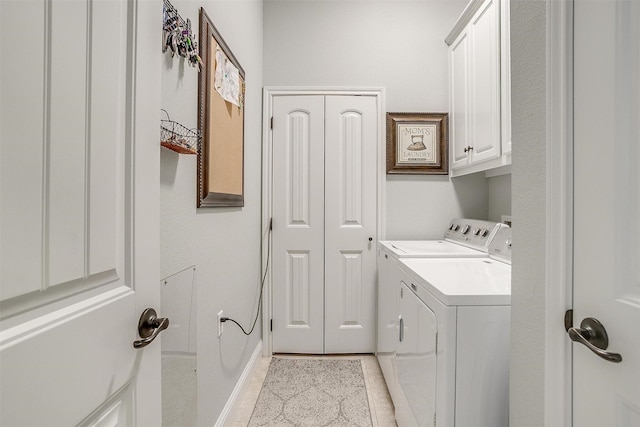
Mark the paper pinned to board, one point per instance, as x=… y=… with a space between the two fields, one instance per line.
x=227 y=78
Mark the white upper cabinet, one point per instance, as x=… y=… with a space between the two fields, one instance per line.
x=480 y=88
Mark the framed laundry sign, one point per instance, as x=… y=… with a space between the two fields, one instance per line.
x=418 y=143
x=221 y=92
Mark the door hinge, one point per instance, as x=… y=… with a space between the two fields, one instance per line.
x=271 y=325
x=434 y=419
x=271 y=123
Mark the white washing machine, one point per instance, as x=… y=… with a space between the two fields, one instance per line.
x=452 y=362
x=463 y=238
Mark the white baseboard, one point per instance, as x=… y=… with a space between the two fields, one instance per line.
x=241 y=385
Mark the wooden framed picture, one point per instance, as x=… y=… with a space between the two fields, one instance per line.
x=220 y=121
x=418 y=143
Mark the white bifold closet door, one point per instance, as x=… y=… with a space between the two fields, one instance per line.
x=324 y=223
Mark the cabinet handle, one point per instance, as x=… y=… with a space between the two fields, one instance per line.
x=467 y=149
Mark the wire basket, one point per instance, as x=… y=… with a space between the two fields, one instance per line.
x=178 y=138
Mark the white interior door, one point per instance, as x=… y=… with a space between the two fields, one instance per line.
x=79 y=106
x=324 y=223
x=607 y=208
x=350 y=224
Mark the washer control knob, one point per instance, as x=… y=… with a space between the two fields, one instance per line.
x=484 y=232
x=475 y=231
x=451 y=226
x=456 y=227
x=465 y=229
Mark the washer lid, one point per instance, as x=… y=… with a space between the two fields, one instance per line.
x=470 y=281
x=429 y=248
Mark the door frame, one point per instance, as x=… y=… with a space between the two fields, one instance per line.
x=269 y=92
x=558 y=396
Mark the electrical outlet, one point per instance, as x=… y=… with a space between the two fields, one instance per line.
x=220 y=323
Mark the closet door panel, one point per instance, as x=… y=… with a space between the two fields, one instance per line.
x=350 y=223
x=298 y=212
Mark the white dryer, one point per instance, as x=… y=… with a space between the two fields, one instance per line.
x=463 y=238
x=452 y=362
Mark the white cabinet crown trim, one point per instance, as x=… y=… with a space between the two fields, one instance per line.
x=463 y=20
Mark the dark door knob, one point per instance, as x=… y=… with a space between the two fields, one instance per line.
x=593 y=335
x=149 y=326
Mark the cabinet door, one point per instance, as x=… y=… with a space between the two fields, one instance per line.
x=485 y=83
x=459 y=98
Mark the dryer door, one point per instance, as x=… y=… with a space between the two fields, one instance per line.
x=416 y=361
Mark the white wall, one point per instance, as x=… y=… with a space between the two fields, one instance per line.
x=528 y=121
x=398 y=45
x=499 y=197
x=224 y=243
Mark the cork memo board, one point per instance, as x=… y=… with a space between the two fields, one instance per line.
x=221 y=155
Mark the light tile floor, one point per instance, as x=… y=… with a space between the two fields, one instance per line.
x=382 y=412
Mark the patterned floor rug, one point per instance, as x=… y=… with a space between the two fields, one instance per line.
x=313 y=392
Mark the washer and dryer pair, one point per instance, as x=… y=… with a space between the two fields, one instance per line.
x=443 y=325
